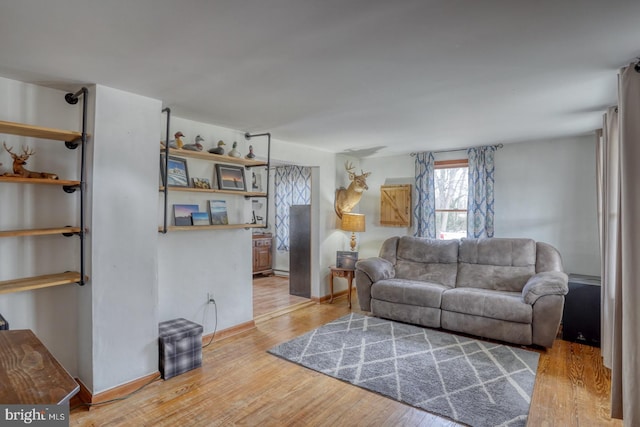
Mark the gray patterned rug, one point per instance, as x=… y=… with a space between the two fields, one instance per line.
x=470 y=381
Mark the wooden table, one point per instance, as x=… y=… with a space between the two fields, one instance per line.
x=29 y=374
x=347 y=273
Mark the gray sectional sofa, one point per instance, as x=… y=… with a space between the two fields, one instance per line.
x=505 y=289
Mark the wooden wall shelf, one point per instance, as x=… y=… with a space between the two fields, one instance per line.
x=72 y=140
x=212 y=190
x=15 y=180
x=215 y=157
x=210 y=227
x=37 y=282
x=39 y=231
x=22 y=129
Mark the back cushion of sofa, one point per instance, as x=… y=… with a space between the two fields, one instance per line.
x=427 y=260
x=389 y=249
x=500 y=264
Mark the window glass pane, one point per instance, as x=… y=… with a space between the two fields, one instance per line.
x=451 y=185
x=451 y=225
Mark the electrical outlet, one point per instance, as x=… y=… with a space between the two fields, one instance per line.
x=210 y=299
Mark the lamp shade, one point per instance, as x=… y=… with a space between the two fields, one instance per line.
x=352 y=222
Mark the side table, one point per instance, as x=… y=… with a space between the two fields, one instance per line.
x=347 y=273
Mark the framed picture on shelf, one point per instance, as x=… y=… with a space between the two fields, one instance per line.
x=256 y=182
x=230 y=177
x=218 y=212
x=182 y=214
x=177 y=174
x=203 y=183
x=200 y=218
x=346 y=259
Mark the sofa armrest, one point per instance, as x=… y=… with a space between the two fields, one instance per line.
x=369 y=271
x=376 y=268
x=545 y=283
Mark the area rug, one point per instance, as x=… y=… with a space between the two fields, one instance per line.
x=470 y=381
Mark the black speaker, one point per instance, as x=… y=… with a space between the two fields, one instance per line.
x=581 y=316
x=4 y=325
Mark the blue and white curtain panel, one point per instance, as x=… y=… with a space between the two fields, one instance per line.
x=292 y=186
x=424 y=212
x=481 y=198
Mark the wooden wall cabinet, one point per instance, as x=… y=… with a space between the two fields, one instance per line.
x=395 y=205
x=262 y=258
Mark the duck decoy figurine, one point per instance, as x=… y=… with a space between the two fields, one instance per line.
x=197 y=146
x=234 y=150
x=218 y=149
x=177 y=143
x=250 y=155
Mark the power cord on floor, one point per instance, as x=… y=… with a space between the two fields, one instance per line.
x=204 y=318
x=117 y=399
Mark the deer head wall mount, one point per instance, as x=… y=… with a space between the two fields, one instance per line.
x=20 y=160
x=348 y=198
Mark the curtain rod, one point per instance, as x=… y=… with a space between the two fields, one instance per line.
x=497 y=147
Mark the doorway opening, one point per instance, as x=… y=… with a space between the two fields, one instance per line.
x=272 y=290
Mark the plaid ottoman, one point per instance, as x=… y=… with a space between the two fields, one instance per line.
x=180 y=347
x=4 y=325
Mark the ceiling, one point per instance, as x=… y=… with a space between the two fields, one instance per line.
x=367 y=77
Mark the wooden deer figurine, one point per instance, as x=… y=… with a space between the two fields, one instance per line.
x=20 y=160
x=347 y=199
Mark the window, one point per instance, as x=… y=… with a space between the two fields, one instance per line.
x=452 y=188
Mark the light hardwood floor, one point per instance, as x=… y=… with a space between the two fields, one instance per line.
x=241 y=384
x=271 y=294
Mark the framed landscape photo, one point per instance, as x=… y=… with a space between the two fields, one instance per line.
x=230 y=177
x=182 y=214
x=200 y=218
x=218 y=212
x=177 y=174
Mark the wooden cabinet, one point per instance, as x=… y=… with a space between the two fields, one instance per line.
x=262 y=258
x=72 y=140
x=395 y=205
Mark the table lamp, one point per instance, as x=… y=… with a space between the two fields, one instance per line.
x=352 y=222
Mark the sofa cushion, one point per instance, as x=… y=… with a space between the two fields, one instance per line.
x=499 y=305
x=498 y=264
x=496 y=251
x=408 y=292
x=427 y=260
x=389 y=249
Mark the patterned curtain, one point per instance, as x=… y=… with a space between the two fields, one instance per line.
x=481 y=202
x=292 y=187
x=424 y=212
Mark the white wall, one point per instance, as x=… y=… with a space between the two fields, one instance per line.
x=544 y=190
x=195 y=263
x=123 y=237
x=52 y=312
